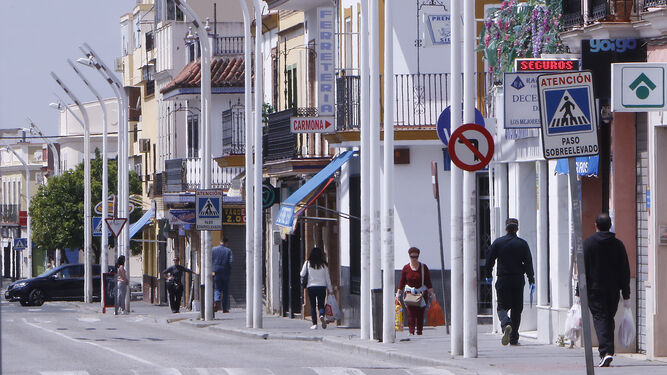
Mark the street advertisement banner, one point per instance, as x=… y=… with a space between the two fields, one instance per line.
x=522 y=109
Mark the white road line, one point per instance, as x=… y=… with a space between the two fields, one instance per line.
x=64 y=373
x=427 y=371
x=336 y=371
x=248 y=371
x=93 y=344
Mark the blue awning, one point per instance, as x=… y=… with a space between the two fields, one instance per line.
x=137 y=225
x=290 y=207
x=586 y=166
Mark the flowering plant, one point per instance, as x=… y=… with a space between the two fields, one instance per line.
x=520 y=29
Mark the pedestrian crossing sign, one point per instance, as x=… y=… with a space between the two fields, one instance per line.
x=209 y=209
x=20 y=244
x=567 y=115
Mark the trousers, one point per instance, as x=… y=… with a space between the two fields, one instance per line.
x=120 y=297
x=316 y=293
x=510 y=298
x=603 y=305
x=175 y=292
x=221 y=291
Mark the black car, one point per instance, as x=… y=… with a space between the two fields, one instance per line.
x=64 y=283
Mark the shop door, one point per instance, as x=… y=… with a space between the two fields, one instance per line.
x=484 y=298
x=291 y=261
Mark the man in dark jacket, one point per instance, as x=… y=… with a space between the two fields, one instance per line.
x=222 y=267
x=514 y=260
x=607 y=273
x=174 y=275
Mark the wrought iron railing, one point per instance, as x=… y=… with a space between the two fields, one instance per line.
x=278 y=140
x=233 y=130
x=615 y=10
x=572 y=14
x=348 y=108
x=654 y=3
x=228 y=45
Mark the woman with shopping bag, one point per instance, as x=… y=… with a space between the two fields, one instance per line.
x=415 y=288
x=315 y=274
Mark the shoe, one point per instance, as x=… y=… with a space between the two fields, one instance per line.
x=606 y=361
x=324 y=321
x=314 y=326
x=419 y=333
x=506 y=335
x=516 y=343
x=225 y=311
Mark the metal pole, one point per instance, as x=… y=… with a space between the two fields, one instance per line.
x=249 y=174
x=27 y=199
x=56 y=158
x=469 y=191
x=105 y=189
x=436 y=195
x=257 y=215
x=375 y=237
x=87 y=214
x=388 y=331
x=365 y=289
x=575 y=227
x=455 y=192
x=542 y=235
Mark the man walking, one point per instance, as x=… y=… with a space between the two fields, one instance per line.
x=174 y=275
x=514 y=260
x=222 y=267
x=607 y=273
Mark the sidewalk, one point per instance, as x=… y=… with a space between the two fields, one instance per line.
x=431 y=349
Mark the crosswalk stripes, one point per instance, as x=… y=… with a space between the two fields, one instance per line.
x=266 y=371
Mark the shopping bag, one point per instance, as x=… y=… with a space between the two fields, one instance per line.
x=626 y=333
x=573 y=322
x=331 y=310
x=435 y=317
x=398 y=317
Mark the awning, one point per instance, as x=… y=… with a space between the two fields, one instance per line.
x=137 y=225
x=291 y=207
x=586 y=166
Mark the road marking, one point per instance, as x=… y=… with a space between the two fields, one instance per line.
x=64 y=373
x=88 y=320
x=427 y=371
x=93 y=344
x=336 y=371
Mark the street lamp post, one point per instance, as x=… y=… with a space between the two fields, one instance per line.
x=87 y=216
x=34 y=129
x=205 y=151
x=27 y=200
x=104 y=241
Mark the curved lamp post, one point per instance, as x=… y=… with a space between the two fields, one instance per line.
x=34 y=129
x=27 y=199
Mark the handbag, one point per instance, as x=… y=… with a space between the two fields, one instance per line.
x=416 y=299
x=304 y=279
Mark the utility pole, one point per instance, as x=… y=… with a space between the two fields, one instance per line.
x=258 y=217
x=365 y=294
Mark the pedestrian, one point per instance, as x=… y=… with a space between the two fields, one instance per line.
x=415 y=280
x=174 y=275
x=222 y=267
x=316 y=269
x=607 y=273
x=514 y=260
x=122 y=283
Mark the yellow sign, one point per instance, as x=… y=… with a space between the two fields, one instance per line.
x=233 y=215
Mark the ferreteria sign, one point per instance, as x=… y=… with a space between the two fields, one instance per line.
x=567 y=114
x=312 y=125
x=325 y=49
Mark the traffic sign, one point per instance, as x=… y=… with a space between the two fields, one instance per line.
x=116 y=225
x=443 y=127
x=312 y=125
x=20 y=243
x=269 y=196
x=209 y=209
x=567 y=114
x=638 y=87
x=97 y=227
x=471 y=147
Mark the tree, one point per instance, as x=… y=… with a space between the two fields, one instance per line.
x=57 y=209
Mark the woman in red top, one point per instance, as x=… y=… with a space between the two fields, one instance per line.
x=411 y=282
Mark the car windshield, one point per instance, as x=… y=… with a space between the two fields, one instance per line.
x=50 y=272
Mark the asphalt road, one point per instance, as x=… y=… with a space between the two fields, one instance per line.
x=58 y=338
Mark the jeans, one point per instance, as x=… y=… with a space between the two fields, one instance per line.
x=121 y=293
x=510 y=297
x=316 y=293
x=175 y=291
x=221 y=288
x=603 y=306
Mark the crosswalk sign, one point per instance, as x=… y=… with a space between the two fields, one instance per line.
x=20 y=243
x=209 y=209
x=567 y=115
x=97 y=227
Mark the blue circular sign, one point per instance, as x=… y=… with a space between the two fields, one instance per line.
x=445 y=120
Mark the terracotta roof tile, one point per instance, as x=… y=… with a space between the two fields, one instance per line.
x=225 y=72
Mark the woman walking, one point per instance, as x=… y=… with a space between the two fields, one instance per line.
x=122 y=283
x=415 y=280
x=317 y=271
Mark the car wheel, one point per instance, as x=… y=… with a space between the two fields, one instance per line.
x=36 y=297
x=24 y=302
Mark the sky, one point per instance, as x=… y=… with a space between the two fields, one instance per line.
x=38 y=36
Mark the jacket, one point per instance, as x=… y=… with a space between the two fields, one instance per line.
x=513 y=255
x=607 y=266
x=316 y=276
x=222 y=260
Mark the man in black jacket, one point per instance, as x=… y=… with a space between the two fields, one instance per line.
x=607 y=273
x=174 y=276
x=514 y=260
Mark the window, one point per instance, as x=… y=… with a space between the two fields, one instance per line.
x=149 y=41
x=137 y=31
x=348 y=43
x=147 y=76
x=292 y=99
x=193 y=136
x=173 y=12
x=135 y=132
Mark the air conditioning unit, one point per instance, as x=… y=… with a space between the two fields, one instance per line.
x=144 y=145
x=119 y=64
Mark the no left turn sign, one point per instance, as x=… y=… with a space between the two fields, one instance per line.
x=471 y=147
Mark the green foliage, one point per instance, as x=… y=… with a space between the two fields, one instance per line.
x=57 y=209
x=266 y=110
x=520 y=29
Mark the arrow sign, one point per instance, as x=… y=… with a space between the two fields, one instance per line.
x=116 y=225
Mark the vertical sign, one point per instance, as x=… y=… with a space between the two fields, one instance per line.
x=209 y=209
x=325 y=61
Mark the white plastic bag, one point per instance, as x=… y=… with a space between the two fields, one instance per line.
x=331 y=310
x=573 y=322
x=626 y=333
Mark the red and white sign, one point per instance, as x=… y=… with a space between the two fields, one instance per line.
x=312 y=125
x=116 y=225
x=471 y=147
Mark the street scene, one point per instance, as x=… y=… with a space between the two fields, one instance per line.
x=333 y=187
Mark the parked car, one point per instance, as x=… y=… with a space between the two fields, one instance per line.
x=63 y=283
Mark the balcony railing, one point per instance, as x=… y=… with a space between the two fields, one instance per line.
x=279 y=142
x=233 y=130
x=419 y=99
x=618 y=10
x=654 y=3
x=221 y=178
x=228 y=45
x=572 y=14
x=9 y=213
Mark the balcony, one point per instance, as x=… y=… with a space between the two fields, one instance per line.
x=575 y=15
x=221 y=178
x=279 y=142
x=233 y=131
x=228 y=46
